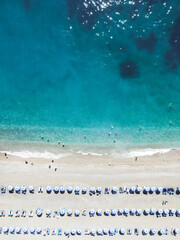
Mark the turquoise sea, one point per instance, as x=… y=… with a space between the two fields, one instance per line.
x=72 y=69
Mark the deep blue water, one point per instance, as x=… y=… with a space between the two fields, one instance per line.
x=71 y=68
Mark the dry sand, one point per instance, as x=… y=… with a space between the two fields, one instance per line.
x=77 y=170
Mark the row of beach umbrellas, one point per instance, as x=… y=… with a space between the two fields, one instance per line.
x=93 y=190
x=107 y=212
x=93 y=232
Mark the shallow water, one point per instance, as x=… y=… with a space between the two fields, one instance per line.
x=74 y=68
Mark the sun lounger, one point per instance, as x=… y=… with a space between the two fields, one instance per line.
x=59 y=231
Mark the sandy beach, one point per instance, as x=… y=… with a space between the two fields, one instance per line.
x=87 y=171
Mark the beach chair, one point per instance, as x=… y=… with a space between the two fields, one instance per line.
x=3 y=189
x=129 y=231
x=59 y=231
x=136 y=231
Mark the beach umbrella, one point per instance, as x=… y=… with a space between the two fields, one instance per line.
x=165 y=212
x=132 y=211
x=152 y=231
x=178 y=213
x=176 y=230
x=138 y=189
x=62 y=190
x=25 y=230
x=146 y=211
x=147 y=189
x=73 y=232
x=120 y=211
x=11 y=230
x=79 y=232
x=69 y=212
x=31 y=189
x=111 y=232
x=32 y=230
x=23 y=189
x=172 y=212
x=105 y=231
x=132 y=190
x=99 y=232
x=92 y=190
x=114 y=190
x=99 y=189
x=39 y=213
x=138 y=212
x=77 y=190
x=159 y=212
x=152 y=189
x=92 y=212
x=159 y=190
x=113 y=212
x=122 y=231
x=84 y=190
x=126 y=212
x=17 y=189
x=107 y=212
x=5 y=229
x=18 y=230
x=66 y=232
x=69 y=189
x=62 y=212
x=99 y=212
x=178 y=190
x=93 y=232
x=56 y=189
x=48 y=189
x=77 y=213
x=48 y=212
x=162 y=231
x=10 y=188
x=152 y=211
x=145 y=231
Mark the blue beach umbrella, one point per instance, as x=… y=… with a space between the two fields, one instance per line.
x=120 y=211
x=62 y=190
x=106 y=212
x=69 y=212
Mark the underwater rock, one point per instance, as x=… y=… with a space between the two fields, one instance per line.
x=129 y=69
x=148 y=43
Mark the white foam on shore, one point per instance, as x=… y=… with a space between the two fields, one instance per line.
x=28 y=154
x=145 y=152
x=91 y=153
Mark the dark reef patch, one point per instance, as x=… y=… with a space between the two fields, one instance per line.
x=129 y=69
x=27 y=4
x=148 y=43
x=172 y=56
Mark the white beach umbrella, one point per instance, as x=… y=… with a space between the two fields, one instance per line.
x=99 y=212
x=122 y=231
x=176 y=230
x=56 y=189
x=162 y=231
x=66 y=232
x=79 y=232
x=138 y=189
x=17 y=188
x=39 y=212
x=152 y=189
x=38 y=230
x=77 y=213
x=62 y=212
x=32 y=230
x=107 y=212
x=93 y=232
x=48 y=188
x=99 y=189
x=120 y=211
x=111 y=232
x=11 y=230
x=105 y=231
x=113 y=212
x=178 y=213
x=77 y=190
x=99 y=232
x=147 y=189
x=5 y=229
x=73 y=232
x=23 y=188
x=48 y=212
x=160 y=211
x=25 y=230
x=132 y=189
x=159 y=189
x=84 y=190
x=31 y=188
x=92 y=212
x=146 y=211
x=152 y=231
x=153 y=211
x=145 y=231
x=62 y=189
x=93 y=190
x=126 y=211
x=10 y=188
x=132 y=211
x=69 y=212
x=18 y=230
x=138 y=212
x=165 y=212
x=114 y=190
x=69 y=189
